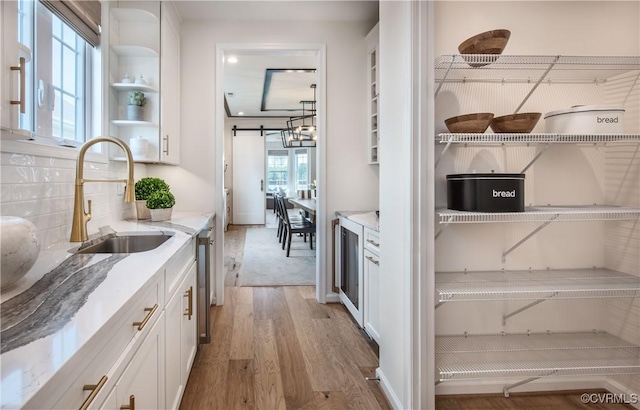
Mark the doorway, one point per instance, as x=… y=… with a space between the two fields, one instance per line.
x=248 y=178
x=224 y=51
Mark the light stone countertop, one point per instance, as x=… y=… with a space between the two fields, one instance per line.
x=37 y=345
x=368 y=219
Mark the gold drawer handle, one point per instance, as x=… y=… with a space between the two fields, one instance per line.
x=151 y=311
x=21 y=102
x=373 y=243
x=131 y=405
x=95 y=389
x=372 y=260
x=189 y=294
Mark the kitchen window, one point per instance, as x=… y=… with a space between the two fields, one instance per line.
x=58 y=79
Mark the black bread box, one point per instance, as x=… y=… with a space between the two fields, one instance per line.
x=492 y=192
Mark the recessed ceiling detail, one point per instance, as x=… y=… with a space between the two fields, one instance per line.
x=269 y=85
x=285 y=88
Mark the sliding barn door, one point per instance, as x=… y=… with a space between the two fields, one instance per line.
x=248 y=178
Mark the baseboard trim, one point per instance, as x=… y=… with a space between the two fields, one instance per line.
x=331 y=298
x=388 y=391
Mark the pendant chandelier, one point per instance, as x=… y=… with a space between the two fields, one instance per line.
x=301 y=130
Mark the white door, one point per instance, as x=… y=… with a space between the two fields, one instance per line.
x=248 y=178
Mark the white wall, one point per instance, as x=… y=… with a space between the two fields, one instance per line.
x=396 y=198
x=351 y=183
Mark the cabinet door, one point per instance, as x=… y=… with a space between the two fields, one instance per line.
x=181 y=342
x=189 y=331
x=173 y=317
x=9 y=58
x=372 y=295
x=142 y=382
x=169 y=87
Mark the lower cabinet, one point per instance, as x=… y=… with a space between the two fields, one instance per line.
x=371 y=275
x=181 y=341
x=141 y=385
x=142 y=360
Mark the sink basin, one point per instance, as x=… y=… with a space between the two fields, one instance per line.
x=128 y=243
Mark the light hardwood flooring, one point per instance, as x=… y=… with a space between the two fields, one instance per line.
x=277 y=348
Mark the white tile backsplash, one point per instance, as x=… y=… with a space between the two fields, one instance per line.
x=41 y=189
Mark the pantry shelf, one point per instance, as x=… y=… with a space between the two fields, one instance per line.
x=531 y=356
x=542 y=214
x=589 y=283
x=529 y=69
x=538 y=138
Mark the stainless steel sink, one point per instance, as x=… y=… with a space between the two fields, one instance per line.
x=128 y=243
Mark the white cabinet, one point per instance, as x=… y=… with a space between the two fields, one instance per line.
x=118 y=345
x=372 y=284
x=181 y=342
x=373 y=136
x=169 y=85
x=141 y=385
x=144 y=56
x=14 y=59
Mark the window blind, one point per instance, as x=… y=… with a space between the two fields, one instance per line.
x=81 y=15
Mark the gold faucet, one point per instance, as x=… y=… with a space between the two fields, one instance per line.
x=80 y=217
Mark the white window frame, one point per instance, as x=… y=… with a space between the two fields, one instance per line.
x=27 y=142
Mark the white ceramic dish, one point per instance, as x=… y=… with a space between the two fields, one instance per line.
x=585 y=119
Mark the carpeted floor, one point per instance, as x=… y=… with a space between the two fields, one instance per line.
x=266 y=264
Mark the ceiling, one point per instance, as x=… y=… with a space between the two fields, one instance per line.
x=265 y=84
x=306 y=10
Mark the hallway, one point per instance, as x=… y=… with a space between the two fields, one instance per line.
x=276 y=347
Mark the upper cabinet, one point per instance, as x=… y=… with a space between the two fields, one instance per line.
x=15 y=58
x=170 y=85
x=373 y=136
x=144 y=78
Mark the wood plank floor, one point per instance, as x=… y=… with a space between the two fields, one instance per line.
x=277 y=348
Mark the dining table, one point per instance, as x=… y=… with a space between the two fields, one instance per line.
x=306 y=204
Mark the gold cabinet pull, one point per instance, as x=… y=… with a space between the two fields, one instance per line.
x=22 y=99
x=189 y=294
x=151 y=311
x=131 y=405
x=95 y=389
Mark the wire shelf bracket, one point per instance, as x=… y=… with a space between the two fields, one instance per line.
x=506 y=389
x=526 y=307
x=526 y=238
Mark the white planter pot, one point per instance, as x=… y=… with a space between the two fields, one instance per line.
x=135 y=113
x=159 y=215
x=141 y=209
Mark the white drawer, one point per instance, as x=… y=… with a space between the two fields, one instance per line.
x=116 y=340
x=372 y=241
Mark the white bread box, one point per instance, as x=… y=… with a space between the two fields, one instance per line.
x=585 y=119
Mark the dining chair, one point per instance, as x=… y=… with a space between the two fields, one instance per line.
x=290 y=227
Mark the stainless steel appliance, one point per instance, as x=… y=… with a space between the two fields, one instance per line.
x=205 y=249
x=351 y=269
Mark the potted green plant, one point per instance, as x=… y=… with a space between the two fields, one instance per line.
x=161 y=203
x=143 y=188
x=135 y=102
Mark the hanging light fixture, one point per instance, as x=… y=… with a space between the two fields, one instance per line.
x=301 y=131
